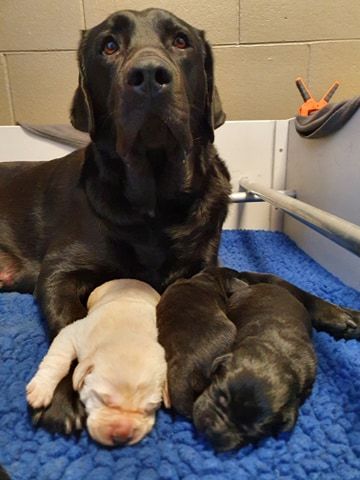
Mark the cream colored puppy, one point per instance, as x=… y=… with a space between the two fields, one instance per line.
x=121 y=374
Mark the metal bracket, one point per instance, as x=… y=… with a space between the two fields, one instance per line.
x=337 y=229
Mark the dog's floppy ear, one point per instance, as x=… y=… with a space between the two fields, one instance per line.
x=289 y=417
x=220 y=364
x=81 y=114
x=219 y=115
x=214 y=113
x=97 y=294
x=82 y=369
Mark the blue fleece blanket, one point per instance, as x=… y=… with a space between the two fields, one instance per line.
x=324 y=445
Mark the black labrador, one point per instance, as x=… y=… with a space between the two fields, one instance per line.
x=146 y=199
x=202 y=319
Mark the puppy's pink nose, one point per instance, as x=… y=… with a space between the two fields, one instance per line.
x=121 y=433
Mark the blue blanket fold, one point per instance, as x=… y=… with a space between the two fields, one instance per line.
x=324 y=445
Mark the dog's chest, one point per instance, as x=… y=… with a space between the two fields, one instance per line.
x=139 y=251
x=150 y=251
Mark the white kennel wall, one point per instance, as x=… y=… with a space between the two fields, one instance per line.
x=326 y=173
x=18 y=145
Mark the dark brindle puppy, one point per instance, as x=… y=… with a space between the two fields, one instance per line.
x=146 y=199
x=256 y=390
x=268 y=322
x=194 y=330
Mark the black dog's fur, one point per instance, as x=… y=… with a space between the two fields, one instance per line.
x=219 y=310
x=146 y=199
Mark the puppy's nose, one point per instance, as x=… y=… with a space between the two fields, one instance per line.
x=116 y=440
x=149 y=77
x=122 y=433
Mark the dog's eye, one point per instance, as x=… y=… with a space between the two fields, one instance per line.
x=181 y=41
x=103 y=398
x=110 y=46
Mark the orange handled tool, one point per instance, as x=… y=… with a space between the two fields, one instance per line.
x=311 y=105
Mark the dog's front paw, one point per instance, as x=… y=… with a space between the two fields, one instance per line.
x=65 y=414
x=39 y=393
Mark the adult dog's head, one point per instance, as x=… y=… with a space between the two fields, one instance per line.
x=147 y=97
x=245 y=402
x=146 y=76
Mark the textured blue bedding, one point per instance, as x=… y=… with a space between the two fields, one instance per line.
x=324 y=445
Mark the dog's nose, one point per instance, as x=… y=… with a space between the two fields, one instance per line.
x=149 y=77
x=116 y=440
x=122 y=432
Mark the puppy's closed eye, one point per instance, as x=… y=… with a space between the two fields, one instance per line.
x=104 y=398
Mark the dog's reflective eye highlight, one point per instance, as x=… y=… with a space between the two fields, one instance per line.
x=110 y=46
x=181 y=41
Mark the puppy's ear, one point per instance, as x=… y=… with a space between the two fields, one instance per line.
x=289 y=417
x=235 y=285
x=98 y=293
x=214 y=114
x=83 y=368
x=81 y=114
x=94 y=297
x=166 y=395
x=220 y=364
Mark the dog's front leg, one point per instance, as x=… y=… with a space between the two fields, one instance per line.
x=53 y=368
x=59 y=294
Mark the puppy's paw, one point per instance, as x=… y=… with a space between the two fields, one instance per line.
x=65 y=414
x=39 y=393
x=350 y=322
x=338 y=322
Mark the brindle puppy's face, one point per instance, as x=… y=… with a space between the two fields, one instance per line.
x=244 y=405
x=146 y=81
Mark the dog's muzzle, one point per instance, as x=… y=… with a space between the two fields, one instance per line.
x=149 y=75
